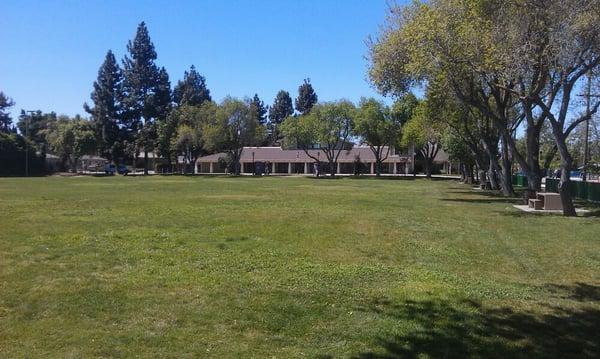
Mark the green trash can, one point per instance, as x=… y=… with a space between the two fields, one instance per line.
x=593 y=192
x=552 y=185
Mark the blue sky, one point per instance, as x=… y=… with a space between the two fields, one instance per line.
x=51 y=50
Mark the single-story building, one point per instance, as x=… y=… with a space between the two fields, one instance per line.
x=276 y=160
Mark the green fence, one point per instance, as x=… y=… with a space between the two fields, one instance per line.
x=583 y=190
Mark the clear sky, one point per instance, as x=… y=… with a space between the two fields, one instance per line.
x=51 y=50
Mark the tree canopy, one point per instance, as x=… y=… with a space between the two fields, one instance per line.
x=192 y=89
x=378 y=128
x=307 y=97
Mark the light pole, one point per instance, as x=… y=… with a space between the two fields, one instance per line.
x=587 y=126
x=27 y=141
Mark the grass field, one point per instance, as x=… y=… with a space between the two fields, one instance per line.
x=289 y=267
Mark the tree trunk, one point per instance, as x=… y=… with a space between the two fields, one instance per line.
x=492 y=175
x=506 y=173
x=463 y=172
x=566 y=163
x=534 y=174
x=483 y=182
x=427 y=167
x=332 y=168
x=145 y=162
x=471 y=175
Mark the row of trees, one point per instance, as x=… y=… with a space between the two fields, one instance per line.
x=133 y=110
x=493 y=71
x=332 y=126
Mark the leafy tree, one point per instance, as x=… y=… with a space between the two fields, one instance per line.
x=166 y=132
x=142 y=86
x=423 y=133
x=5 y=119
x=307 y=97
x=329 y=124
x=378 y=128
x=515 y=63
x=106 y=101
x=70 y=139
x=34 y=126
x=232 y=126
x=281 y=109
x=458 y=150
x=185 y=124
x=192 y=90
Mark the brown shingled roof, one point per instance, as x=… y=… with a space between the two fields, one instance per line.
x=277 y=154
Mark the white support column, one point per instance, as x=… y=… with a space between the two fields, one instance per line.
x=406 y=167
x=196 y=168
x=241 y=167
x=273 y=167
x=289 y=168
x=305 y=167
x=338 y=169
x=395 y=168
x=372 y=167
x=210 y=169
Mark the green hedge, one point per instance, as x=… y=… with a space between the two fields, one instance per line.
x=583 y=190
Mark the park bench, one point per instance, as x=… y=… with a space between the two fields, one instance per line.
x=546 y=201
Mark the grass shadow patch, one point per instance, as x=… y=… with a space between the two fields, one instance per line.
x=458 y=329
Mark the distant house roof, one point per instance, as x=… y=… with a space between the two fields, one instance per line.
x=277 y=154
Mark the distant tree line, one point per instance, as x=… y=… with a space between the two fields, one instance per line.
x=134 y=111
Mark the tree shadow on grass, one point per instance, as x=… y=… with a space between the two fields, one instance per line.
x=480 y=200
x=580 y=292
x=461 y=329
x=384 y=178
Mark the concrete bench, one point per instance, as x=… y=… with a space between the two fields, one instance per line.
x=550 y=201
x=536 y=204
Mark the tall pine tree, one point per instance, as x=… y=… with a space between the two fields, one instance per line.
x=282 y=108
x=260 y=111
x=260 y=108
x=141 y=79
x=162 y=99
x=5 y=119
x=307 y=97
x=192 y=90
x=106 y=107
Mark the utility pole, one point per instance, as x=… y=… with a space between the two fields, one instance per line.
x=587 y=126
x=27 y=142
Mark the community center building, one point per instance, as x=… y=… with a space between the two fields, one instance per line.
x=276 y=160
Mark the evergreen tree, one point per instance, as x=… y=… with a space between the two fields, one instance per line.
x=5 y=119
x=260 y=109
x=307 y=97
x=106 y=110
x=192 y=90
x=140 y=82
x=281 y=109
x=162 y=99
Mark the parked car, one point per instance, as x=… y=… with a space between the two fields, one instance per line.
x=109 y=169
x=122 y=170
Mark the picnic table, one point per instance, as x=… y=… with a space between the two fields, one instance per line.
x=547 y=201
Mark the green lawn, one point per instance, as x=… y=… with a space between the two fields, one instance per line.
x=289 y=267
